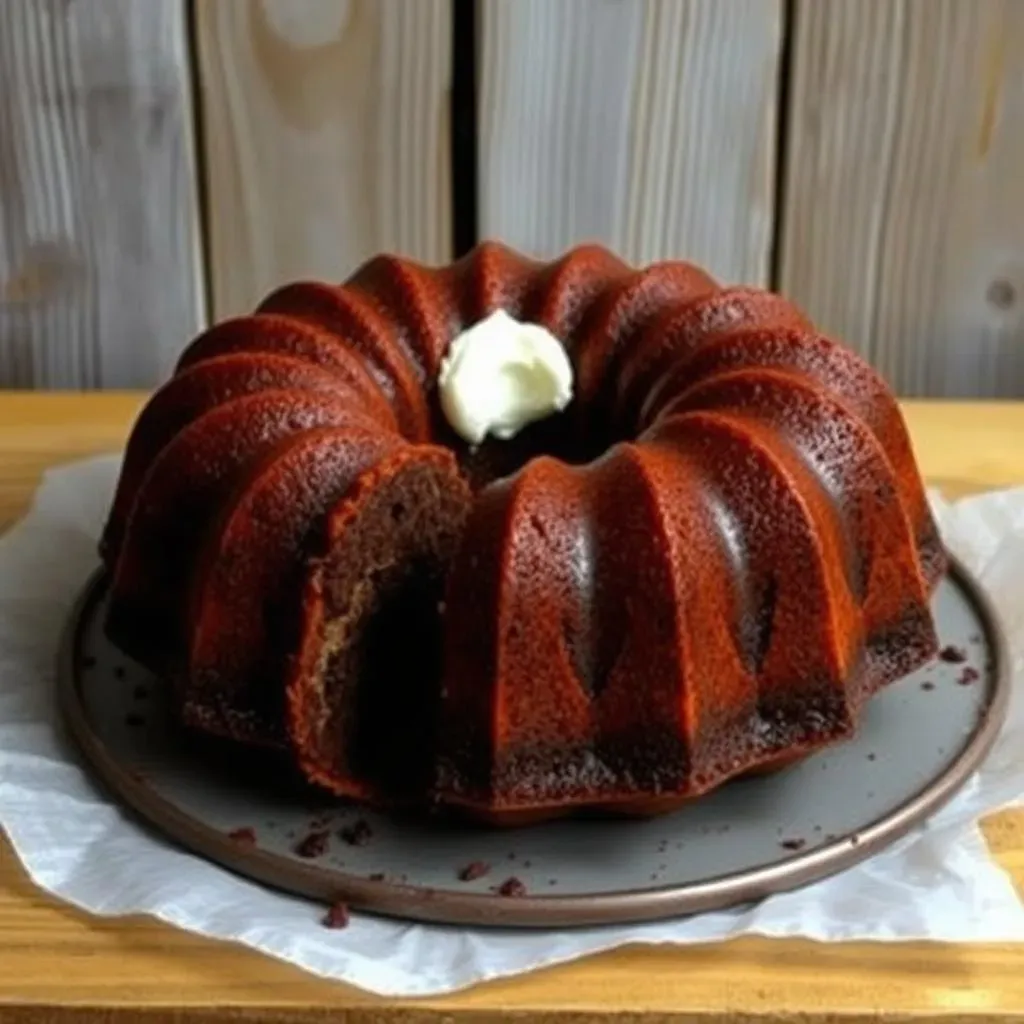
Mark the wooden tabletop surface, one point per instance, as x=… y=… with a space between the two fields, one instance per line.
x=59 y=965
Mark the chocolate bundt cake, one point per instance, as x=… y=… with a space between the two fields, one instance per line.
x=702 y=564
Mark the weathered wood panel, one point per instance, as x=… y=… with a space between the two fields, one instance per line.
x=903 y=221
x=99 y=263
x=649 y=126
x=326 y=138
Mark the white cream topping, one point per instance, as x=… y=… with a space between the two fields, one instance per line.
x=500 y=375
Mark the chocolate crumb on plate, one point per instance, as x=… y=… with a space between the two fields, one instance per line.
x=357 y=834
x=134 y=720
x=952 y=654
x=872 y=756
x=793 y=844
x=512 y=887
x=337 y=916
x=927 y=685
x=119 y=672
x=377 y=876
x=968 y=676
x=243 y=836
x=140 y=692
x=474 y=870
x=313 y=845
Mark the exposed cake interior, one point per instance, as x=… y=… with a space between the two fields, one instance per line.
x=364 y=688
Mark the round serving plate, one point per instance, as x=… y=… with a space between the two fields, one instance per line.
x=920 y=739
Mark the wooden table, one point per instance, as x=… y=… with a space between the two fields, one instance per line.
x=60 y=965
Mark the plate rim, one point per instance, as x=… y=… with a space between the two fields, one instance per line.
x=443 y=906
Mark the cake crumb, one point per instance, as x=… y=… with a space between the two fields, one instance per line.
x=871 y=756
x=377 y=876
x=512 y=887
x=474 y=870
x=793 y=844
x=134 y=720
x=119 y=672
x=357 y=834
x=952 y=654
x=337 y=916
x=243 y=836
x=968 y=676
x=927 y=685
x=140 y=692
x=313 y=845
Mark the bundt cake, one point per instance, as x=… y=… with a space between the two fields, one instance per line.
x=701 y=566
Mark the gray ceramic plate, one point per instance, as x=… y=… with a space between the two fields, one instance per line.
x=919 y=741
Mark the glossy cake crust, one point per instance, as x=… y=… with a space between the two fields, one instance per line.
x=703 y=567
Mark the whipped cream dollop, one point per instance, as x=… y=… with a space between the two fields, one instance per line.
x=500 y=375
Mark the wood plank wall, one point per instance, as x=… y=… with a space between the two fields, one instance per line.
x=99 y=253
x=903 y=219
x=864 y=157
x=648 y=126
x=326 y=135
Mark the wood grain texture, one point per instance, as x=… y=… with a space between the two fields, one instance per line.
x=902 y=229
x=326 y=138
x=99 y=264
x=59 y=966
x=648 y=126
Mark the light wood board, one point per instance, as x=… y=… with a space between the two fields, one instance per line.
x=648 y=126
x=58 y=965
x=903 y=220
x=326 y=131
x=99 y=258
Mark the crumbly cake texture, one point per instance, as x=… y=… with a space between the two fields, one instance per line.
x=703 y=567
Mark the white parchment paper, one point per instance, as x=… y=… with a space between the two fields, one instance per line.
x=938 y=883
